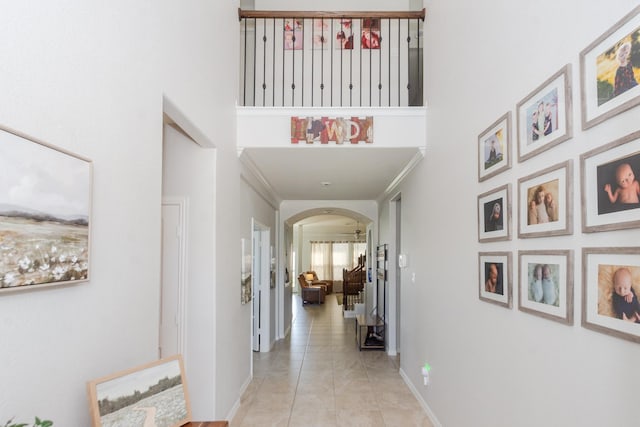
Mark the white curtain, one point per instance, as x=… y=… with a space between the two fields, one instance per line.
x=322 y=260
x=328 y=259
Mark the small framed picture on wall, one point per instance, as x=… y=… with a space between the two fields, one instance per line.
x=495 y=284
x=610 y=289
x=494 y=214
x=494 y=148
x=546 y=284
x=544 y=116
x=545 y=202
x=610 y=191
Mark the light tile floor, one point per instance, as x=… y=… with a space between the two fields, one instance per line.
x=318 y=377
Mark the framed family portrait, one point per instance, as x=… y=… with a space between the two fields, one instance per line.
x=610 y=288
x=610 y=191
x=545 y=202
x=495 y=283
x=610 y=71
x=546 y=284
x=494 y=148
x=154 y=394
x=45 y=214
x=494 y=214
x=544 y=116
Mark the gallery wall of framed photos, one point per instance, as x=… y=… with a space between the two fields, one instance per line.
x=533 y=240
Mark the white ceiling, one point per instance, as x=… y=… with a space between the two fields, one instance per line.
x=353 y=173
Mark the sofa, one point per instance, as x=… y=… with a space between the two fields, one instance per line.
x=315 y=281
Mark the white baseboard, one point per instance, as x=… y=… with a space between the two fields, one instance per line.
x=427 y=409
x=236 y=404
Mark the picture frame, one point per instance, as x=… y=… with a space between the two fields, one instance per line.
x=246 y=280
x=601 y=169
x=45 y=214
x=494 y=214
x=552 y=100
x=495 y=270
x=293 y=34
x=609 y=70
x=152 y=393
x=545 y=285
x=494 y=148
x=545 y=205
x=603 y=307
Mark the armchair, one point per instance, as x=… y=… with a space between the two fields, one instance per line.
x=311 y=293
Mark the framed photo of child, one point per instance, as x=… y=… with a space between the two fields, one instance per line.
x=544 y=116
x=610 y=71
x=495 y=278
x=546 y=284
x=494 y=215
x=611 y=285
x=610 y=190
x=494 y=148
x=545 y=202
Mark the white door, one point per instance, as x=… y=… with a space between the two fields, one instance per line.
x=171 y=280
x=256 y=297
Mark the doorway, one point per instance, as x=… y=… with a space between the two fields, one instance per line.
x=261 y=331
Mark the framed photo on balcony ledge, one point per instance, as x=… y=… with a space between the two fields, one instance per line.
x=544 y=116
x=494 y=215
x=610 y=190
x=494 y=148
x=545 y=205
x=610 y=71
x=610 y=289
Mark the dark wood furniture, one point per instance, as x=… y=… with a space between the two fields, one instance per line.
x=207 y=424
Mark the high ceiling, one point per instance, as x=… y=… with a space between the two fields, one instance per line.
x=330 y=173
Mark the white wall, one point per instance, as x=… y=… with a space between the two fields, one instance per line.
x=186 y=165
x=493 y=366
x=89 y=77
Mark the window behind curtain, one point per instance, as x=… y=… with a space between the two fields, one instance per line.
x=329 y=258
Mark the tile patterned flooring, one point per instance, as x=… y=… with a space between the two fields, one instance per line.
x=318 y=377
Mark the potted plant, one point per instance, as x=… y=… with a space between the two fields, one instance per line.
x=36 y=423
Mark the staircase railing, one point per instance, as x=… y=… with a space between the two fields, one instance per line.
x=331 y=59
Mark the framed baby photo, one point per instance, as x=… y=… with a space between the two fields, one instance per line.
x=494 y=283
x=610 y=289
x=610 y=71
x=494 y=215
x=545 y=202
x=544 y=116
x=494 y=148
x=610 y=191
x=546 y=284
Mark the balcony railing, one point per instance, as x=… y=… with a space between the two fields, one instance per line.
x=331 y=59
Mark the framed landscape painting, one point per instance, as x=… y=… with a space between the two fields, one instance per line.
x=544 y=116
x=610 y=289
x=45 y=210
x=154 y=394
x=610 y=71
x=494 y=148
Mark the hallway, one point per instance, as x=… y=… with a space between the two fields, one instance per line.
x=317 y=377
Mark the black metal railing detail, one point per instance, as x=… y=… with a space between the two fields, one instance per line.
x=309 y=59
